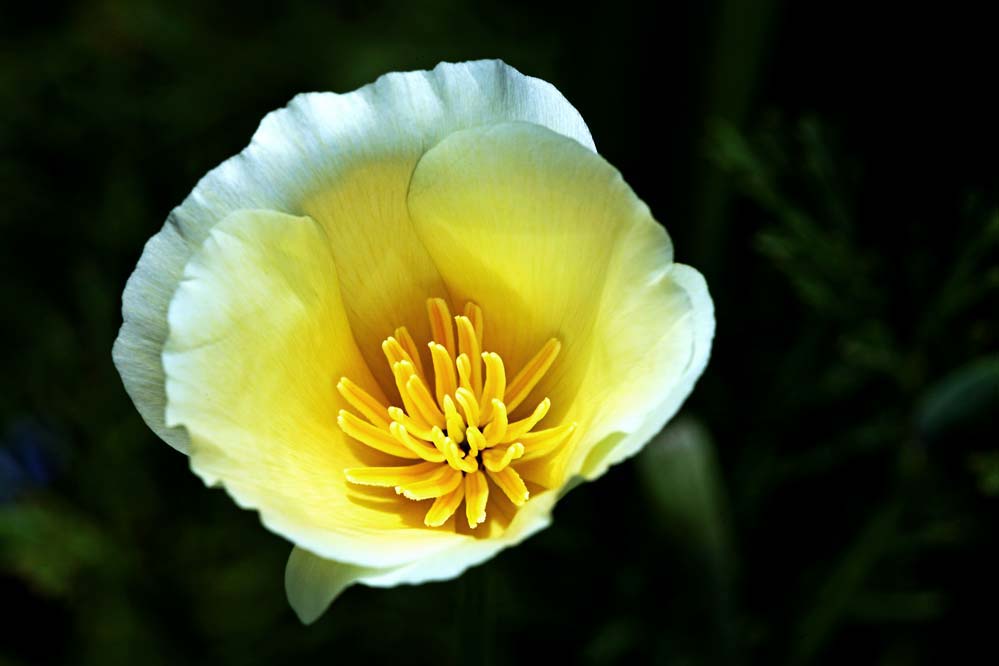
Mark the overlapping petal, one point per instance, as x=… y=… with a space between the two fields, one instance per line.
x=345 y=160
x=548 y=238
x=258 y=336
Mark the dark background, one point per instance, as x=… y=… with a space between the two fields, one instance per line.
x=830 y=492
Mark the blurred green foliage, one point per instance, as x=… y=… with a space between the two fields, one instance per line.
x=831 y=493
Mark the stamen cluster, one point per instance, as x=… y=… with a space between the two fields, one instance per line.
x=457 y=425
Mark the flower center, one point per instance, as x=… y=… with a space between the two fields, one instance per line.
x=455 y=421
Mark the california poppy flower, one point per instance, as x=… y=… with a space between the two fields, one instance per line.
x=405 y=319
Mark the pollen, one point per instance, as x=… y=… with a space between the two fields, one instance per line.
x=451 y=429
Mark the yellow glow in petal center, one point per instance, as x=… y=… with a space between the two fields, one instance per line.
x=452 y=427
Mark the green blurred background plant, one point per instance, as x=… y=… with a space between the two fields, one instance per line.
x=829 y=495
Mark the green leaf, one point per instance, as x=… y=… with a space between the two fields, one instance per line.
x=960 y=397
x=986 y=468
x=49 y=545
x=680 y=475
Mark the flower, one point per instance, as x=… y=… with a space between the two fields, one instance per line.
x=403 y=320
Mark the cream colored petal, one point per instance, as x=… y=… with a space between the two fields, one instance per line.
x=551 y=242
x=346 y=161
x=258 y=340
x=659 y=332
x=313 y=583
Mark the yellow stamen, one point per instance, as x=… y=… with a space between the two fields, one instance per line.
x=496 y=429
x=476 y=496
x=518 y=429
x=444 y=507
x=456 y=427
x=442 y=481
x=543 y=442
x=439 y=439
x=511 y=484
x=464 y=366
x=440 y=324
x=468 y=345
x=412 y=427
x=369 y=435
x=369 y=406
x=424 y=402
x=453 y=454
x=455 y=424
x=498 y=458
x=495 y=385
x=402 y=371
x=476 y=442
x=428 y=453
x=462 y=464
x=531 y=374
x=469 y=405
x=406 y=340
x=396 y=353
x=389 y=477
x=474 y=314
x=445 y=380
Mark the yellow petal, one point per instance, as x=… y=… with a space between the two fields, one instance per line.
x=535 y=218
x=556 y=245
x=258 y=339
